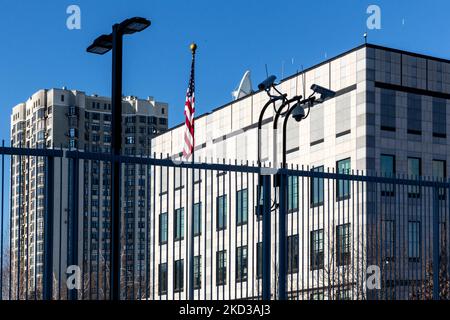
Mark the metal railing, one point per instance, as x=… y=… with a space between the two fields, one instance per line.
x=347 y=235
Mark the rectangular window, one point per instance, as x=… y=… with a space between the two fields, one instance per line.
x=387 y=110
x=414 y=241
x=222 y=212
x=388 y=234
x=317 y=188
x=292 y=248
x=178 y=276
x=197 y=219
x=317 y=250
x=197 y=272
x=414 y=114
x=242 y=207
x=179 y=224
x=439 y=174
x=343 y=244
x=221 y=268
x=163 y=228
x=387 y=170
x=292 y=193
x=414 y=172
x=162 y=276
x=259 y=260
x=241 y=264
x=439 y=118
x=343 y=186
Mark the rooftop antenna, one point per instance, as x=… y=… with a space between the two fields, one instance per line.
x=282 y=69
x=303 y=80
x=365 y=37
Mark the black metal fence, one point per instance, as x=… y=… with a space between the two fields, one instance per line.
x=213 y=231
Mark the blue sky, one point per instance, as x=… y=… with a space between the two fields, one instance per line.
x=38 y=51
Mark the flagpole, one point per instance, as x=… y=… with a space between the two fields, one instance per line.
x=193 y=48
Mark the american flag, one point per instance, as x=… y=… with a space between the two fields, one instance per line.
x=189 y=112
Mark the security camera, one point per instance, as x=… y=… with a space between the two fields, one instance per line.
x=267 y=84
x=298 y=113
x=324 y=93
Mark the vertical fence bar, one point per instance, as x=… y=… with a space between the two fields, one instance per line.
x=436 y=258
x=73 y=242
x=282 y=236
x=266 y=243
x=48 y=231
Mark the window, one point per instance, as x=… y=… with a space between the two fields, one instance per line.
x=414 y=114
x=292 y=249
x=414 y=241
x=197 y=272
x=344 y=294
x=318 y=295
x=222 y=212
x=292 y=193
x=179 y=224
x=387 y=110
x=387 y=170
x=241 y=264
x=162 y=276
x=439 y=118
x=163 y=228
x=388 y=236
x=343 y=244
x=439 y=173
x=178 y=281
x=317 y=188
x=62 y=98
x=197 y=219
x=221 y=268
x=259 y=260
x=414 y=172
x=343 y=186
x=317 y=251
x=242 y=207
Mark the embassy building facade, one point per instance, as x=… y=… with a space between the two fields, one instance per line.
x=389 y=116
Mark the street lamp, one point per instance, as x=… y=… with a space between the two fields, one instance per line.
x=102 y=45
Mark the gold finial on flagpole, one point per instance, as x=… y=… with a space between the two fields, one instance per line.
x=193 y=47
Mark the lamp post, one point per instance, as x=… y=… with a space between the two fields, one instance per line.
x=102 y=45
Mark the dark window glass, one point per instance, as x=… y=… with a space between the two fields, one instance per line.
x=178 y=275
x=414 y=240
x=162 y=276
x=387 y=170
x=242 y=207
x=293 y=252
x=439 y=118
x=414 y=114
x=414 y=172
x=343 y=186
x=179 y=224
x=292 y=193
x=317 y=251
x=163 y=228
x=222 y=212
x=387 y=110
x=197 y=219
x=197 y=272
x=241 y=264
x=343 y=244
x=317 y=188
x=221 y=268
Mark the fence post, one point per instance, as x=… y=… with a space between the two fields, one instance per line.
x=436 y=258
x=73 y=252
x=282 y=235
x=266 y=237
x=48 y=231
